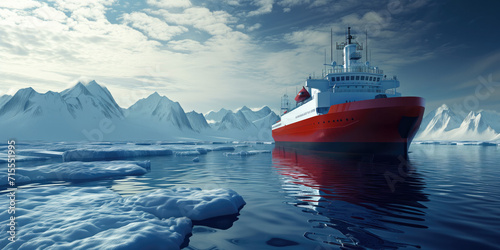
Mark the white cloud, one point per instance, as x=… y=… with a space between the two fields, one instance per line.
x=19 y=4
x=170 y=3
x=152 y=26
x=265 y=7
x=254 y=27
x=48 y=13
x=292 y=3
x=309 y=37
x=48 y=51
x=213 y=22
x=187 y=45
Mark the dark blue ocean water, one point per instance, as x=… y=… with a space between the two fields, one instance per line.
x=442 y=197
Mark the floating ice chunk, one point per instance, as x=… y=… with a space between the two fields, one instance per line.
x=19 y=179
x=202 y=151
x=112 y=154
x=19 y=158
x=196 y=159
x=193 y=203
x=223 y=148
x=187 y=153
x=487 y=143
x=87 y=218
x=79 y=171
x=41 y=153
x=248 y=153
x=98 y=218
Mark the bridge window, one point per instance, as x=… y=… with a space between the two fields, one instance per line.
x=370 y=79
x=338 y=78
x=357 y=78
x=333 y=79
x=362 y=78
x=378 y=79
x=342 y=78
x=352 y=78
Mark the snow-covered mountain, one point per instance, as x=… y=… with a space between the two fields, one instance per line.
x=91 y=100
x=198 y=121
x=4 y=99
x=234 y=121
x=57 y=116
x=445 y=124
x=255 y=115
x=213 y=117
x=266 y=121
x=27 y=103
x=439 y=121
x=156 y=108
x=88 y=111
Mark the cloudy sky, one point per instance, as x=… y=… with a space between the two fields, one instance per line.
x=209 y=54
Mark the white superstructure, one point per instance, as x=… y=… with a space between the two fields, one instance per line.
x=355 y=80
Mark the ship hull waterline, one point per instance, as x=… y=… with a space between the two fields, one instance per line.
x=384 y=126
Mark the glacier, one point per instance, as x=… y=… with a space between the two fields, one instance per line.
x=98 y=218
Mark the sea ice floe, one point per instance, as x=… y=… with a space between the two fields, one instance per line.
x=194 y=203
x=112 y=153
x=41 y=153
x=223 y=148
x=21 y=158
x=98 y=218
x=77 y=171
x=248 y=153
x=187 y=153
x=88 y=218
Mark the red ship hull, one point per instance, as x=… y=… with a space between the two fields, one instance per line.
x=383 y=126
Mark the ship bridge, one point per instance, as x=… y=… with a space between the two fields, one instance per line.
x=354 y=80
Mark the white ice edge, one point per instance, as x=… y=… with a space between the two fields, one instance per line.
x=77 y=171
x=98 y=218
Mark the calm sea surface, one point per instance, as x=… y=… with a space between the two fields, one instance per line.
x=443 y=197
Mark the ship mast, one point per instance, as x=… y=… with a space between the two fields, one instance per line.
x=349 y=37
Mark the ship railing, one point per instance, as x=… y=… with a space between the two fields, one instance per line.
x=343 y=90
x=372 y=70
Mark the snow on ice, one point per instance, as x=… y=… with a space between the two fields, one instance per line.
x=77 y=171
x=113 y=153
x=98 y=218
x=248 y=153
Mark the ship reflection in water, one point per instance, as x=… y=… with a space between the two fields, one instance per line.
x=354 y=203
